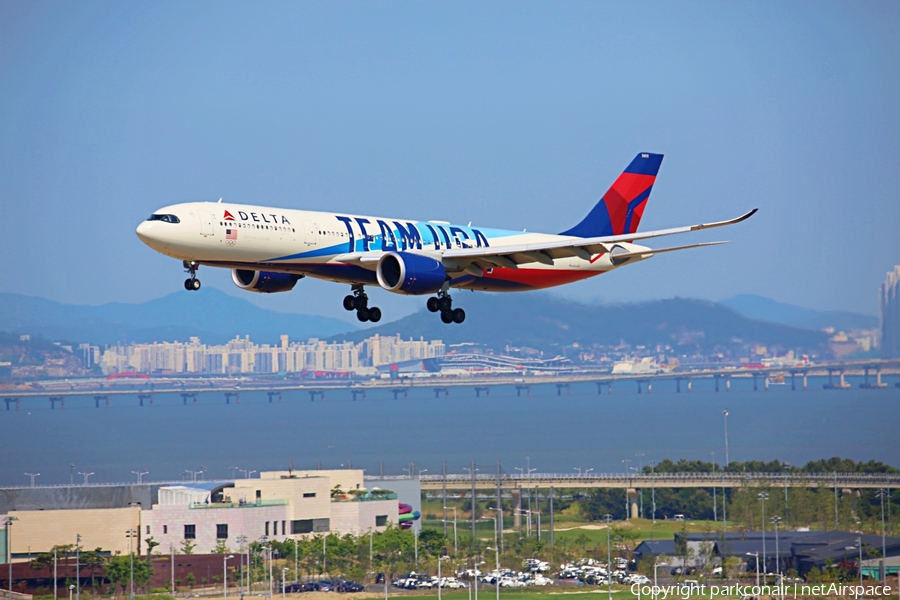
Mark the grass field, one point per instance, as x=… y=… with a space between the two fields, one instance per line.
x=590 y=534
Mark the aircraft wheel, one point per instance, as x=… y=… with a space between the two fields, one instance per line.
x=195 y=284
x=433 y=304
x=446 y=316
x=187 y=284
x=362 y=314
x=444 y=303
x=459 y=315
x=349 y=302
x=374 y=314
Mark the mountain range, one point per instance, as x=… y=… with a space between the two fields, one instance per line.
x=210 y=314
x=764 y=309
x=537 y=320
x=545 y=322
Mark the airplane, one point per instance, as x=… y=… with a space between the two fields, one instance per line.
x=269 y=249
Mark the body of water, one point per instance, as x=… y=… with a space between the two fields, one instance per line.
x=581 y=430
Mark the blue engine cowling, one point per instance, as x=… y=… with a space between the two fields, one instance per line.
x=408 y=273
x=264 y=282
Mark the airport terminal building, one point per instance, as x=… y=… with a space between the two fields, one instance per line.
x=205 y=515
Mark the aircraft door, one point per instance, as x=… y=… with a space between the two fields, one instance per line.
x=309 y=233
x=206 y=223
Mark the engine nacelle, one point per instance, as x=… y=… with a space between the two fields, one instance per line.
x=408 y=273
x=264 y=282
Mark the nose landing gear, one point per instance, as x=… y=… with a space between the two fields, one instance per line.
x=444 y=304
x=191 y=284
x=359 y=302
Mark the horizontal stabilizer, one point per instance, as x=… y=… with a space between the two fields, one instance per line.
x=647 y=252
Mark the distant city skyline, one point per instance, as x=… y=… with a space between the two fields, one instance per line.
x=514 y=116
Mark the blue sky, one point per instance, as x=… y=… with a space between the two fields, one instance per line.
x=514 y=115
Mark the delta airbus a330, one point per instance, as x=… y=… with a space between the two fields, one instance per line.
x=270 y=249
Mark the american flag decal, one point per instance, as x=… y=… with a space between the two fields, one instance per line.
x=231 y=234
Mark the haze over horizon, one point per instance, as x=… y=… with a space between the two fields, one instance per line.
x=516 y=116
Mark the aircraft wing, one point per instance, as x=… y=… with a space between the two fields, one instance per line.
x=564 y=246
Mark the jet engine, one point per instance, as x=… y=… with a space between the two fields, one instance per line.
x=408 y=273
x=264 y=282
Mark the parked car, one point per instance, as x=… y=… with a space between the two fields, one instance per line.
x=349 y=586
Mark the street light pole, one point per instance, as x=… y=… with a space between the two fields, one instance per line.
x=140 y=475
x=763 y=496
x=498 y=524
x=608 y=518
x=497 y=568
x=241 y=540
x=775 y=519
x=9 y=521
x=225 y=576
x=440 y=581
x=455 y=538
x=283 y=583
x=77 y=563
x=756 y=554
x=881 y=494
x=33 y=475
x=131 y=534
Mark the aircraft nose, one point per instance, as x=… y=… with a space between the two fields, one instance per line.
x=143 y=232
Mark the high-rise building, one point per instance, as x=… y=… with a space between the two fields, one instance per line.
x=890 y=314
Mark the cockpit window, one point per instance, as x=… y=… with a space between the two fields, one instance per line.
x=166 y=218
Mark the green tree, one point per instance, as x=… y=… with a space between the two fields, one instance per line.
x=93 y=560
x=118 y=571
x=187 y=546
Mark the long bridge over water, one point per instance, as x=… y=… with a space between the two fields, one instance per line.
x=58 y=393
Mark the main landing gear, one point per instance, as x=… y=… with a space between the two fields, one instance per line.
x=444 y=304
x=359 y=302
x=191 y=284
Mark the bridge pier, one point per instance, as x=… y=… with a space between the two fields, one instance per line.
x=55 y=399
x=678 y=385
x=479 y=389
x=398 y=391
x=527 y=389
x=600 y=385
x=439 y=390
x=871 y=386
x=755 y=386
x=841 y=385
x=767 y=384
x=271 y=395
x=633 y=496
x=716 y=378
x=313 y=394
x=8 y=400
x=727 y=384
x=97 y=400
x=142 y=397
x=229 y=395
x=517 y=509
x=186 y=395
x=358 y=392
x=561 y=386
